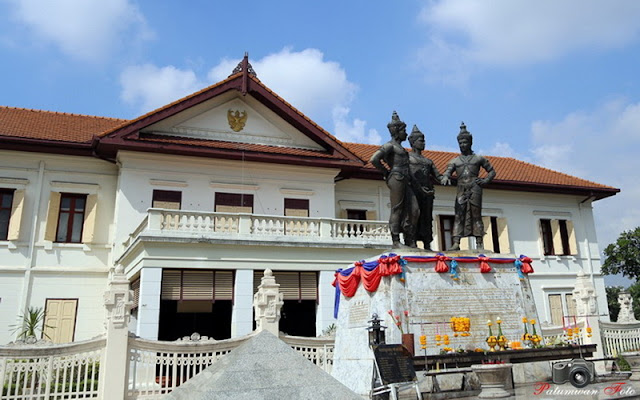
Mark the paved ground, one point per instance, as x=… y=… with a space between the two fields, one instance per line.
x=611 y=389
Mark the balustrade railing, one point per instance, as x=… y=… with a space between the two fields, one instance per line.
x=617 y=338
x=318 y=350
x=264 y=227
x=47 y=371
x=556 y=334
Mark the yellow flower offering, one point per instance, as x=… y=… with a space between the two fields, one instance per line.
x=524 y=320
x=533 y=322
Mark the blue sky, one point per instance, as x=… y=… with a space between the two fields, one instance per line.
x=555 y=83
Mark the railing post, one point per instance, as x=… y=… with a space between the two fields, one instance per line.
x=48 y=375
x=118 y=301
x=325 y=228
x=155 y=219
x=244 y=224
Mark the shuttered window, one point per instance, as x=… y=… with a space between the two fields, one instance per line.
x=6 y=202
x=571 y=305
x=555 y=307
x=233 y=202
x=296 y=207
x=197 y=285
x=169 y=199
x=135 y=286
x=294 y=285
x=446 y=231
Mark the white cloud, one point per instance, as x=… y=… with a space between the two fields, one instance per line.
x=353 y=131
x=87 y=30
x=317 y=87
x=599 y=145
x=148 y=87
x=520 y=32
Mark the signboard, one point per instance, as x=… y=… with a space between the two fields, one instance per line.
x=395 y=363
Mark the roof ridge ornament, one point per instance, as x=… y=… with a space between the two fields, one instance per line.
x=247 y=70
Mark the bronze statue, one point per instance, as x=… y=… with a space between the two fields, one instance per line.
x=396 y=174
x=423 y=173
x=468 y=205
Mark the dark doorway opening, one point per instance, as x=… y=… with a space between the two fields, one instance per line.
x=298 y=318
x=208 y=318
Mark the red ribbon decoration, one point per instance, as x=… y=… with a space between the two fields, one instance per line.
x=484 y=265
x=526 y=265
x=441 y=265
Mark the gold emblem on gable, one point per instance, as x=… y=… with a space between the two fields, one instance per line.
x=237 y=119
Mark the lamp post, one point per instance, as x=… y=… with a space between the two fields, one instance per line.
x=376 y=331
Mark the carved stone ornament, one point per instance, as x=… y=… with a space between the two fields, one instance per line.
x=267 y=303
x=626 y=308
x=237 y=119
x=118 y=300
x=584 y=295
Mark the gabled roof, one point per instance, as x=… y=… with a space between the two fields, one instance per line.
x=54 y=132
x=130 y=136
x=511 y=174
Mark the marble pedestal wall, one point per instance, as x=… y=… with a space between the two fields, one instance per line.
x=431 y=299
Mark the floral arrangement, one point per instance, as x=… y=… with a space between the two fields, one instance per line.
x=398 y=320
x=460 y=326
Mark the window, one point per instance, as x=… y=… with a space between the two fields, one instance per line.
x=296 y=207
x=168 y=199
x=446 y=231
x=360 y=215
x=547 y=237
x=561 y=306
x=6 y=205
x=71 y=217
x=233 y=202
x=496 y=235
x=555 y=308
x=558 y=237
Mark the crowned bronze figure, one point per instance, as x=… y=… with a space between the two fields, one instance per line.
x=468 y=205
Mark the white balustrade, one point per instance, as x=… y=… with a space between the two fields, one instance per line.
x=617 y=338
x=214 y=224
x=157 y=367
x=43 y=372
x=317 y=350
x=556 y=334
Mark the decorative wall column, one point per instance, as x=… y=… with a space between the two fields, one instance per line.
x=148 y=320
x=118 y=301
x=242 y=315
x=267 y=303
x=626 y=315
x=326 y=301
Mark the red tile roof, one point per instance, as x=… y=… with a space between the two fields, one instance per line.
x=507 y=169
x=47 y=126
x=55 y=126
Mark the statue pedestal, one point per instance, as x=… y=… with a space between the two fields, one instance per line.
x=431 y=300
x=492 y=378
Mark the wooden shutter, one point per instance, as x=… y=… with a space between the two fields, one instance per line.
x=295 y=285
x=557 y=236
x=16 y=215
x=555 y=306
x=487 y=238
x=167 y=199
x=171 y=284
x=296 y=207
x=308 y=285
x=223 y=285
x=135 y=286
x=52 y=216
x=573 y=243
x=90 y=212
x=372 y=215
x=503 y=236
x=60 y=320
x=197 y=285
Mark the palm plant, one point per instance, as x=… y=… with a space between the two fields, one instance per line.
x=32 y=324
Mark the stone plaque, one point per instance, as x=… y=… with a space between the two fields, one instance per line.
x=394 y=363
x=359 y=314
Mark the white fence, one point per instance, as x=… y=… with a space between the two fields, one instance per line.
x=617 y=338
x=68 y=371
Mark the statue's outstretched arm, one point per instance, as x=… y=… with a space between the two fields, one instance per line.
x=445 y=179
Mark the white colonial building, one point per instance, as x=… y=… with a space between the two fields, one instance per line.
x=197 y=198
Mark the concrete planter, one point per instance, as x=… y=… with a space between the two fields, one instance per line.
x=633 y=358
x=493 y=379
